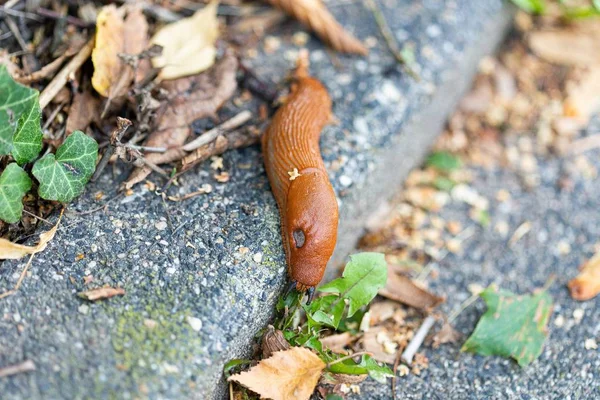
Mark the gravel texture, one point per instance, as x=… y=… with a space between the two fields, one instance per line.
x=202 y=275
x=560 y=220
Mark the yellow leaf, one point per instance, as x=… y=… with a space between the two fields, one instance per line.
x=14 y=251
x=587 y=284
x=188 y=44
x=109 y=43
x=287 y=375
x=114 y=36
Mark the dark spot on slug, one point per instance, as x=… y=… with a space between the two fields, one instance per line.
x=299 y=238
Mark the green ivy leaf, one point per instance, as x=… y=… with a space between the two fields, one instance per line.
x=63 y=177
x=14 y=183
x=20 y=131
x=513 y=326
x=363 y=276
x=443 y=161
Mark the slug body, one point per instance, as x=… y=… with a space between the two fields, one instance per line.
x=299 y=181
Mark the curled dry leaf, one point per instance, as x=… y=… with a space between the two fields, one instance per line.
x=566 y=47
x=447 y=334
x=187 y=100
x=188 y=44
x=403 y=289
x=587 y=284
x=314 y=14
x=117 y=35
x=14 y=251
x=287 y=375
x=101 y=293
x=273 y=341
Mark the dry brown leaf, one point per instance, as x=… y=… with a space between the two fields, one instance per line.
x=273 y=341
x=188 y=44
x=379 y=343
x=566 y=47
x=14 y=251
x=382 y=311
x=188 y=99
x=403 y=289
x=287 y=375
x=583 y=96
x=338 y=379
x=315 y=15
x=101 y=293
x=336 y=343
x=116 y=35
x=447 y=334
x=587 y=284
x=83 y=111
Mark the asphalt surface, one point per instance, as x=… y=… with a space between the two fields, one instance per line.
x=560 y=219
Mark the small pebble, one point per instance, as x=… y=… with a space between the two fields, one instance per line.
x=590 y=344
x=171 y=270
x=161 y=225
x=257 y=258
x=83 y=309
x=345 y=180
x=403 y=370
x=559 y=321
x=195 y=323
x=578 y=314
x=564 y=247
x=300 y=38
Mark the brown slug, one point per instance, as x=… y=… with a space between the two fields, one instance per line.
x=299 y=181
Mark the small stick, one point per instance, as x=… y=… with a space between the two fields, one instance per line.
x=360 y=353
x=43 y=72
x=60 y=80
x=146 y=148
x=389 y=37
x=52 y=116
x=25 y=366
x=11 y=3
x=21 y=277
x=15 y=30
x=35 y=216
x=115 y=140
x=585 y=144
x=44 y=12
x=394 y=378
x=417 y=340
x=210 y=135
x=222 y=143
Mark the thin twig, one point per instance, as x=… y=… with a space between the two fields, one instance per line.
x=44 y=12
x=15 y=30
x=11 y=3
x=16 y=13
x=360 y=353
x=417 y=340
x=40 y=218
x=462 y=307
x=582 y=145
x=389 y=38
x=52 y=116
x=43 y=72
x=146 y=148
x=115 y=139
x=21 y=277
x=60 y=80
x=25 y=366
x=210 y=135
x=394 y=378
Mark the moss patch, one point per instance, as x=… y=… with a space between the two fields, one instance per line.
x=154 y=341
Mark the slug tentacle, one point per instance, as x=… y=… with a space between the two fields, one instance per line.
x=299 y=181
